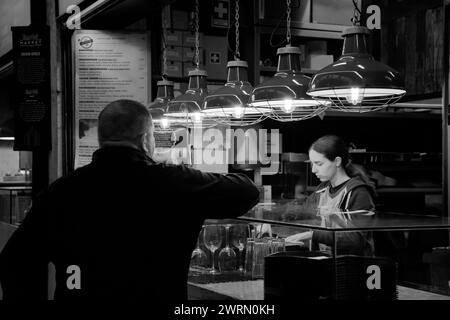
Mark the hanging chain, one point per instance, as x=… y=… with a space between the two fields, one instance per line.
x=288 y=22
x=356 y=20
x=164 y=29
x=237 y=54
x=197 y=59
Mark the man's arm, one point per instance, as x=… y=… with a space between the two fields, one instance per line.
x=219 y=195
x=24 y=259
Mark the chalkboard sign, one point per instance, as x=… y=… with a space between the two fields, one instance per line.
x=31 y=58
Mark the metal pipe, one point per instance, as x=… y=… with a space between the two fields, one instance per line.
x=445 y=100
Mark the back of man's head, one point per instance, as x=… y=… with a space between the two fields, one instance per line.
x=123 y=121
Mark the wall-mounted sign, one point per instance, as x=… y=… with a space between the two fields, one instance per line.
x=220 y=13
x=109 y=65
x=31 y=56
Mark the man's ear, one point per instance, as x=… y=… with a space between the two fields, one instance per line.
x=338 y=161
x=143 y=142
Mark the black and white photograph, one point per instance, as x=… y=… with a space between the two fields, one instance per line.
x=225 y=158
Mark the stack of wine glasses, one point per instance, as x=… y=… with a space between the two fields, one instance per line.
x=227 y=256
x=212 y=238
x=226 y=243
x=240 y=233
x=199 y=258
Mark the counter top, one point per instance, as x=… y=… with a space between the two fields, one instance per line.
x=276 y=212
x=26 y=184
x=254 y=290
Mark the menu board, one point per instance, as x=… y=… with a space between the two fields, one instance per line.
x=31 y=97
x=109 y=66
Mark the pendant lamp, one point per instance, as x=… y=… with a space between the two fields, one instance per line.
x=229 y=104
x=356 y=82
x=164 y=92
x=157 y=109
x=186 y=109
x=285 y=93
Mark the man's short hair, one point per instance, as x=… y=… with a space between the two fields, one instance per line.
x=123 y=120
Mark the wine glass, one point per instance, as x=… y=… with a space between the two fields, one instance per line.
x=212 y=239
x=227 y=256
x=239 y=234
x=198 y=256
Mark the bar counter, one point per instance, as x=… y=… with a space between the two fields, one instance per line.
x=420 y=277
x=274 y=212
x=254 y=290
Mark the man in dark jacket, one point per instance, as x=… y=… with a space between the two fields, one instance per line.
x=122 y=226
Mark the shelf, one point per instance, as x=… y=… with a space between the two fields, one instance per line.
x=401 y=166
x=270 y=69
x=428 y=190
x=382 y=114
x=412 y=158
x=303 y=29
x=391 y=152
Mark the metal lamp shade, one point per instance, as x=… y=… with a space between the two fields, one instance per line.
x=158 y=107
x=186 y=109
x=229 y=104
x=356 y=82
x=285 y=93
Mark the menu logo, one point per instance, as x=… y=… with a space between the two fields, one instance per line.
x=30 y=40
x=86 y=42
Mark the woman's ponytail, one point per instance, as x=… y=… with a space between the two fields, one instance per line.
x=355 y=170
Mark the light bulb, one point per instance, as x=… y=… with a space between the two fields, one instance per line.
x=355 y=97
x=238 y=112
x=164 y=123
x=287 y=106
x=196 y=116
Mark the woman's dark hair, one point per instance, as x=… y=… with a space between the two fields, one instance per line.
x=332 y=146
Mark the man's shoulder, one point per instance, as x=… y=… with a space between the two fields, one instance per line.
x=70 y=177
x=140 y=171
x=176 y=170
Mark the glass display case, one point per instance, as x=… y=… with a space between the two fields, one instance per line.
x=15 y=199
x=273 y=252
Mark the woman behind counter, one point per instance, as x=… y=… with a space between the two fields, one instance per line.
x=344 y=189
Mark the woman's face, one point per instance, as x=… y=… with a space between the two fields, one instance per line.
x=322 y=167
